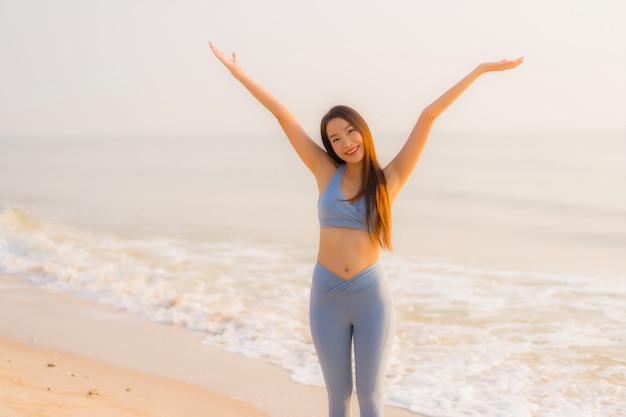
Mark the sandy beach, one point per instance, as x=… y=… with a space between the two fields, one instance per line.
x=61 y=355
x=52 y=383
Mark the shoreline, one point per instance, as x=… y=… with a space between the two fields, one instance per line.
x=37 y=324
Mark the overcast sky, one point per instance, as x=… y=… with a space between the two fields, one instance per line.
x=144 y=67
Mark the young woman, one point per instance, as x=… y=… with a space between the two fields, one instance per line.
x=350 y=298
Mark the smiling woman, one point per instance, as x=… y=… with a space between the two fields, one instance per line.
x=345 y=139
x=344 y=132
x=515 y=216
x=350 y=294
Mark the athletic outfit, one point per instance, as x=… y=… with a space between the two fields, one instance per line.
x=342 y=309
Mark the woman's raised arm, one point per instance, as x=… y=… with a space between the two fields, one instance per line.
x=400 y=168
x=310 y=152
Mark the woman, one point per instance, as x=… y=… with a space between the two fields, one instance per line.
x=350 y=297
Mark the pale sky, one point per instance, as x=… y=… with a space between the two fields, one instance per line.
x=144 y=67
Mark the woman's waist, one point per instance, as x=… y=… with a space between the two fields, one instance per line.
x=345 y=252
x=372 y=278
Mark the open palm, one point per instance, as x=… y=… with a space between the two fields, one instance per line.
x=501 y=65
x=229 y=62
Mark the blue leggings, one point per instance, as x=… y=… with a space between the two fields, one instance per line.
x=360 y=307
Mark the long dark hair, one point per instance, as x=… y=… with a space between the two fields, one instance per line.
x=373 y=182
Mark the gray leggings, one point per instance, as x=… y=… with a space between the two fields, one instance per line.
x=361 y=307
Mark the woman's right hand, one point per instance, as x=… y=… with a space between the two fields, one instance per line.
x=229 y=62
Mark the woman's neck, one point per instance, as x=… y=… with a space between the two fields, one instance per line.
x=354 y=170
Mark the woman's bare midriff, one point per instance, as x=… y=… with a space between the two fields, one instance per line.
x=346 y=252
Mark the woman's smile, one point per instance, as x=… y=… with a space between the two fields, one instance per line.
x=352 y=151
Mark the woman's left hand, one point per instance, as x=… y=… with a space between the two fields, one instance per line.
x=501 y=65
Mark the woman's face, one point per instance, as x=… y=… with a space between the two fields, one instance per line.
x=345 y=140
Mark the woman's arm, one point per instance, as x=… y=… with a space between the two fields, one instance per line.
x=400 y=168
x=311 y=154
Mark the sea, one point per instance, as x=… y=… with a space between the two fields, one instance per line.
x=508 y=270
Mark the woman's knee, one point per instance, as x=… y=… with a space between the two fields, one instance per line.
x=339 y=395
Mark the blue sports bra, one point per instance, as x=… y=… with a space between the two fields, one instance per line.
x=334 y=210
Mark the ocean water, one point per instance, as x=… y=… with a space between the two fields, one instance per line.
x=509 y=274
